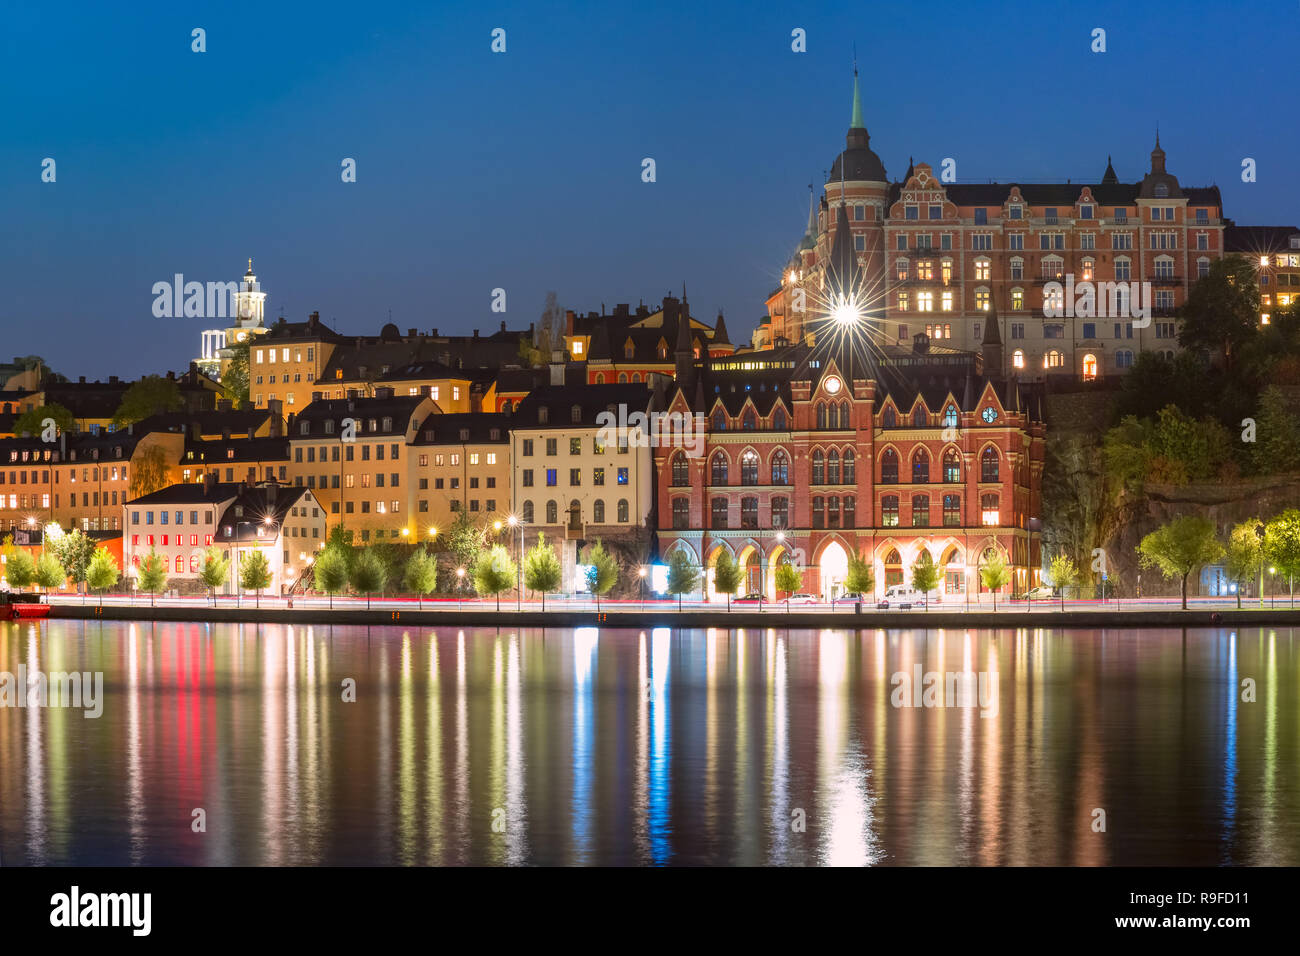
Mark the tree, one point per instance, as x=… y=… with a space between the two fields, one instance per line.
x=1222 y=308
x=994 y=573
x=152 y=395
x=153 y=574
x=74 y=551
x=421 y=574
x=20 y=568
x=330 y=572
x=1064 y=574
x=602 y=570
x=215 y=570
x=789 y=580
x=726 y=575
x=1277 y=439
x=1245 y=555
x=859 y=579
x=102 y=572
x=683 y=575
x=148 y=471
x=368 y=574
x=542 y=572
x=49 y=573
x=465 y=539
x=1179 y=548
x=550 y=327
x=925 y=575
x=255 y=573
x=235 y=376
x=32 y=421
x=1282 y=546
x=494 y=572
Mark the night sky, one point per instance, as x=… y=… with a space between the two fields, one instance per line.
x=522 y=170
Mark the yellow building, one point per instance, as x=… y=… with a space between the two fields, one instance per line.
x=461 y=463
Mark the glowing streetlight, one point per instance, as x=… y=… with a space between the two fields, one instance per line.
x=405 y=532
x=433 y=532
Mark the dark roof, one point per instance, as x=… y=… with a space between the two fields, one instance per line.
x=1058 y=194
x=219 y=450
x=1257 y=240
x=313 y=329
x=858 y=163
x=591 y=400
x=422 y=370
x=191 y=493
x=398 y=408
x=207 y=422
x=478 y=426
x=247 y=514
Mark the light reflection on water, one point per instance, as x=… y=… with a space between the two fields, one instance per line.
x=591 y=746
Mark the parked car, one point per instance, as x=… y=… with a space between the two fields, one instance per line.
x=1038 y=594
x=803 y=599
x=851 y=598
x=753 y=597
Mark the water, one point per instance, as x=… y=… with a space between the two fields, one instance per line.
x=625 y=747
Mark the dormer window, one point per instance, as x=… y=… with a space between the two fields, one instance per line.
x=329 y=426
x=543 y=415
x=575 y=414
x=464 y=434
x=388 y=424
x=1015 y=212
x=1162 y=191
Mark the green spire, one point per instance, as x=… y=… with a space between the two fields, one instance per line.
x=856 y=122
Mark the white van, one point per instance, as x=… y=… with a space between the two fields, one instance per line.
x=902 y=596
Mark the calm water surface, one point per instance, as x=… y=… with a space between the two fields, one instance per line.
x=659 y=746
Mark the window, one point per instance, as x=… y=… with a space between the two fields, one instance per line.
x=749 y=468
x=920 y=467
x=1017 y=300
x=780 y=512
x=849 y=466
x=718 y=513
x=719 y=421
x=889 y=467
x=598 y=511
x=681 y=469
x=819 y=512
x=920 y=511
x=718 y=469
x=681 y=514
x=575 y=446
x=989 y=509
x=818 y=468
x=983 y=270
x=951 y=466
x=1123 y=359
x=981 y=217
x=889 y=511
x=551 y=477
x=622 y=476
x=1018 y=359
x=989 y=464
x=780 y=469
x=749 y=512
x=982 y=299
x=951 y=511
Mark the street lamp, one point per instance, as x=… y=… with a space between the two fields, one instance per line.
x=1259 y=533
x=1272 y=595
x=641 y=572
x=514 y=522
x=460 y=592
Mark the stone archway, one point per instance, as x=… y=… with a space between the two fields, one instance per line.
x=832 y=568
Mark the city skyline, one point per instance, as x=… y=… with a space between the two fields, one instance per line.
x=425 y=234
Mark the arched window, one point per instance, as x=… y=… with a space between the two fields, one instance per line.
x=849 y=477
x=180 y=564
x=718 y=513
x=833 y=511
x=844 y=415
x=952 y=510
x=718 y=469
x=821 y=416
x=194 y=564
x=819 y=512
x=681 y=469
x=887 y=418
x=552 y=512
x=951 y=466
x=780 y=469
x=622 y=378
x=749 y=468
x=720 y=421
x=600 y=378
x=681 y=514
x=833 y=468
x=989 y=464
x=778 y=420
x=950 y=417
x=818 y=468
x=1089 y=367
x=780 y=512
x=749 y=512
x=920 y=511
x=575 y=514
x=1018 y=358
x=528 y=512
x=889 y=511
x=598 y=511
x=750 y=421
x=889 y=467
x=850 y=514
x=989 y=509
x=919 y=418
x=622 y=511
x=920 y=467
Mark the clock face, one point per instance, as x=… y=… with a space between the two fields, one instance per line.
x=832 y=384
x=990 y=415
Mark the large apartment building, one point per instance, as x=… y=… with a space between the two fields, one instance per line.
x=944 y=258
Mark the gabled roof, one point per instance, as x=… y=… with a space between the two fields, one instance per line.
x=590 y=400
x=247 y=515
x=191 y=493
x=464 y=427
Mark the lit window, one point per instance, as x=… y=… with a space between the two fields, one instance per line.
x=1018 y=358
x=946 y=303
x=982 y=299
x=925 y=301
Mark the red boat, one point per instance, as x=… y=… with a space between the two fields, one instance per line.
x=29 y=610
x=12 y=605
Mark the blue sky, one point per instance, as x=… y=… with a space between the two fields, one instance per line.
x=522 y=170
